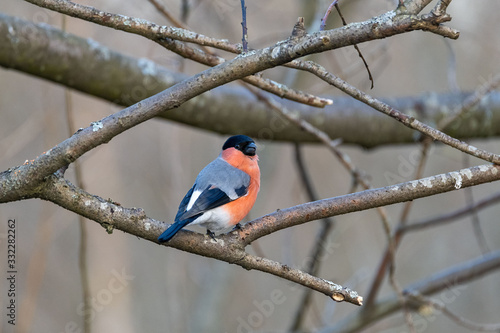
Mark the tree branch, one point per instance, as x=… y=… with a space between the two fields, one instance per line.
x=387 y=259
x=413 y=6
x=367 y=199
x=172 y=38
x=33 y=172
x=230 y=247
x=42 y=177
x=66 y=59
x=407 y=120
x=265 y=84
x=449 y=278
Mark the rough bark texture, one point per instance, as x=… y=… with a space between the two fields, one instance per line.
x=89 y=67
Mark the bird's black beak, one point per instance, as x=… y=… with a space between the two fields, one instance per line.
x=250 y=149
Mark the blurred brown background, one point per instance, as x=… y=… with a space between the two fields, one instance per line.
x=153 y=165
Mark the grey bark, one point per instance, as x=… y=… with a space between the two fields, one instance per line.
x=89 y=67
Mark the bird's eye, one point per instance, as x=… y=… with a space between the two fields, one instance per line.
x=237 y=147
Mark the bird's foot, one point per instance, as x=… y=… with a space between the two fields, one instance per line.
x=237 y=227
x=211 y=234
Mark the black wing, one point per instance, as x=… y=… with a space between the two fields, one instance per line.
x=184 y=203
x=211 y=197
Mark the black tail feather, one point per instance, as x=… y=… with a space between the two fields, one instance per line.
x=173 y=229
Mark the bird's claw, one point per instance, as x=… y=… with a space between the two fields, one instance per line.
x=211 y=234
x=237 y=227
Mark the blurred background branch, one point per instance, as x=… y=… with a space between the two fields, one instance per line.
x=450 y=279
x=88 y=67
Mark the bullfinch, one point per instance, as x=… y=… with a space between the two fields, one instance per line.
x=224 y=191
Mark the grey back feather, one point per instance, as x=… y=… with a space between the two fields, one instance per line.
x=224 y=175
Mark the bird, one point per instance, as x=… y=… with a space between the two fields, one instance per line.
x=223 y=193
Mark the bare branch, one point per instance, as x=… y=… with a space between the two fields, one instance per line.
x=257 y=81
x=128 y=24
x=161 y=8
x=252 y=62
x=244 y=39
x=171 y=38
x=367 y=199
x=328 y=11
x=135 y=79
x=228 y=248
x=450 y=217
x=343 y=158
x=450 y=278
x=406 y=120
x=158 y=33
x=388 y=257
x=412 y=6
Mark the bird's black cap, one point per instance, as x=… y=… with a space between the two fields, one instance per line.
x=241 y=142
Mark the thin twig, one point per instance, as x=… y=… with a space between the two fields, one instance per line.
x=440 y=8
x=394 y=241
x=244 y=39
x=185 y=10
x=476 y=224
x=401 y=298
x=370 y=77
x=328 y=11
x=163 y=10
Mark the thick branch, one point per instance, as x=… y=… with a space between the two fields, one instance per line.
x=86 y=66
x=230 y=247
x=369 y=199
x=405 y=21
